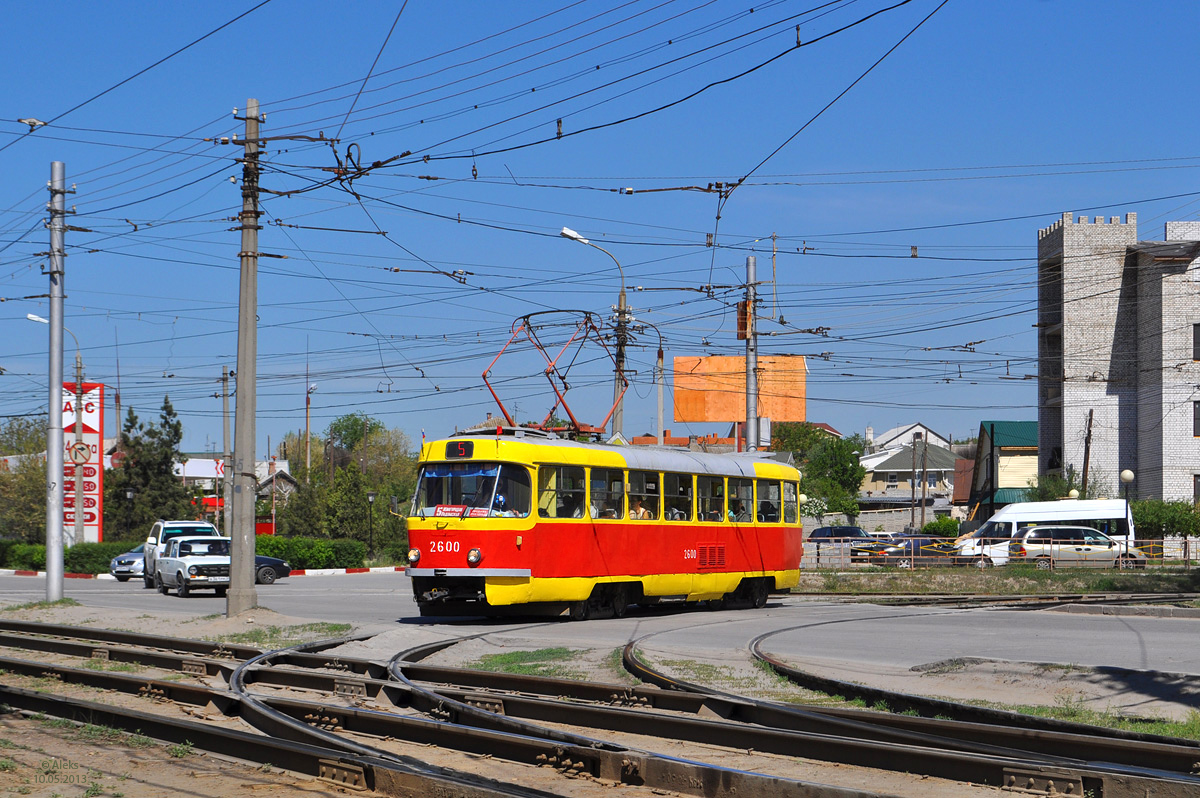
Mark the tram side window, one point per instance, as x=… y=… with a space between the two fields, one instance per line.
x=560 y=491
x=643 y=495
x=608 y=493
x=677 y=497
x=513 y=492
x=791 y=510
x=711 y=498
x=768 y=501
x=741 y=500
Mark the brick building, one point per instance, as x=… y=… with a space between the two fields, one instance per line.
x=1119 y=354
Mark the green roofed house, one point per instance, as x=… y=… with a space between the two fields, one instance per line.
x=1005 y=462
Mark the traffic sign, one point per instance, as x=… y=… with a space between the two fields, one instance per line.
x=80 y=452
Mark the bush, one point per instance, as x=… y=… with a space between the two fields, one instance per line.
x=92 y=558
x=348 y=553
x=27 y=557
x=395 y=554
x=944 y=526
x=1154 y=519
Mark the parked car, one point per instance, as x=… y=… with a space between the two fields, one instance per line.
x=908 y=552
x=268 y=569
x=1072 y=546
x=128 y=565
x=837 y=543
x=988 y=545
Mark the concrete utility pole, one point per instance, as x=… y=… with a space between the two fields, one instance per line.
x=54 y=430
x=227 y=476
x=242 y=595
x=924 y=477
x=752 y=441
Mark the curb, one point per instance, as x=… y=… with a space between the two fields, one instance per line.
x=295 y=572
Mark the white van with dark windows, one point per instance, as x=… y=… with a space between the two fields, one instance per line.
x=988 y=545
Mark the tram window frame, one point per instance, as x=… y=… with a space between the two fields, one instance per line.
x=791 y=503
x=644 y=485
x=564 y=501
x=679 y=494
x=514 y=484
x=739 y=496
x=611 y=484
x=710 y=498
x=768 y=501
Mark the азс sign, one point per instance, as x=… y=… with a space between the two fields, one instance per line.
x=91 y=501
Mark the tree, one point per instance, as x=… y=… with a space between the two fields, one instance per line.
x=831 y=472
x=23 y=435
x=148 y=470
x=292 y=449
x=347 y=432
x=348 y=504
x=796 y=437
x=23 y=500
x=1052 y=487
x=306 y=513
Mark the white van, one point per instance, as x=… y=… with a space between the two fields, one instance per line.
x=989 y=543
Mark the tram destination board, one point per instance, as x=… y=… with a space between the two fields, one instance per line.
x=459 y=449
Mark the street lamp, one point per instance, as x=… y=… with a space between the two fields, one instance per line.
x=622 y=334
x=128 y=509
x=78 y=500
x=1126 y=478
x=371 y=522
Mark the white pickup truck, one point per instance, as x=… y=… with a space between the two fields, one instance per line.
x=191 y=563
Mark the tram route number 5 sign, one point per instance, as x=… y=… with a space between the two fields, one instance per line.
x=87 y=455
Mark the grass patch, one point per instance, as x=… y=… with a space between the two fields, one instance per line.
x=616 y=665
x=1074 y=709
x=43 y=605
x=181 y=750
x=542 y=662
x=273 y=637
x=1014 y=580
x=97 y=664
x=7 y=765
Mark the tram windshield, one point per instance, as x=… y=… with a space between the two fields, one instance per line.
x=472 y=490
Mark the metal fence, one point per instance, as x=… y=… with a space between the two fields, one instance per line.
x=843 y=554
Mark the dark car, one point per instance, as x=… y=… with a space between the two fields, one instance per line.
x=907 y=552
x=837 y=542
x=268 y=569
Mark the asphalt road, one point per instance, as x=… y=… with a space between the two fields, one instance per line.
x=810 y=630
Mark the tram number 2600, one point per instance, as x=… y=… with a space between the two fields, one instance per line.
x=689 y=554
x=450 y=546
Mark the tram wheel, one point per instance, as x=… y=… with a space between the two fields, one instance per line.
x=758 y=594
x=580 y=611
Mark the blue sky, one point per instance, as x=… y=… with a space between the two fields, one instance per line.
x=986 y=123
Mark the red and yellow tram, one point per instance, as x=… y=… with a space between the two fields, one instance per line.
x=527 y=522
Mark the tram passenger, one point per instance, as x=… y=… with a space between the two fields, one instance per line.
x=636 y=511
x=737 y=512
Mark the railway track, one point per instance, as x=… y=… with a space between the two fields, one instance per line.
x=365 y=723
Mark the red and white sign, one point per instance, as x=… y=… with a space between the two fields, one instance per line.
x=92 y=498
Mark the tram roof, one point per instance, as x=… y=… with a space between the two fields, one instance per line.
x=648 y=458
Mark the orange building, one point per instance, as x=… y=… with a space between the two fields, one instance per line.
x=711 y=389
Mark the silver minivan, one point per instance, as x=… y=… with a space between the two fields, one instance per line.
x=1072 y=547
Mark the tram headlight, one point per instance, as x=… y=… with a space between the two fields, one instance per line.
x=474 y=556
x=414 y=556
